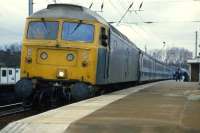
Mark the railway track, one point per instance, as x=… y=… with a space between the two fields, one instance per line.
x=11 y=109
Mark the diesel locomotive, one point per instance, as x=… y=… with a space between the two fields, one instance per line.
x=70 y=52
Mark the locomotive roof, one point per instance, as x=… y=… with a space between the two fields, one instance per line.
x=68 y=11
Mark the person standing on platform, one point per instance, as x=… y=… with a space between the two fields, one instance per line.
x=178 y=75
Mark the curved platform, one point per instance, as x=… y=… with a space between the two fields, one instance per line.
x=161 y=107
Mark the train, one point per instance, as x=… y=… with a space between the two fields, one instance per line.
x=70 y=52
x=9 y=76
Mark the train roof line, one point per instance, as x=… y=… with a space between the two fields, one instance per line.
x=79 y=12
x=68 y=11
x=127 y=39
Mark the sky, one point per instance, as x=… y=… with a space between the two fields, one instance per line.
x=175 y=21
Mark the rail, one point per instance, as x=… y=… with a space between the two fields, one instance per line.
x=12 y=109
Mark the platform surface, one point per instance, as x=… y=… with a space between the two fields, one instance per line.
x=164 y=107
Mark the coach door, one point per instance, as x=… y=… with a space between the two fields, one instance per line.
x=17 y=75
x=4 y=78
x=11 y=75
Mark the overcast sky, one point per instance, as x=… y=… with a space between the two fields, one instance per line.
x=173 y=20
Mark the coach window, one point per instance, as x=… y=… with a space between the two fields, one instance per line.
x=10 y=72
x=4 y=73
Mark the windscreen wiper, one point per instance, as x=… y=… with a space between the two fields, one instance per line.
x=45 y=25
x=77 y=26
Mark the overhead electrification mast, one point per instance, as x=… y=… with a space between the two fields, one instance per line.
x=30 y=7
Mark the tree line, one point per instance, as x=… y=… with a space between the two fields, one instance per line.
x=173 y=56
x=10 y=55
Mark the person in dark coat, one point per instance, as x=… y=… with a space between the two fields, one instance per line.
x=178 y=75
x=186 y=76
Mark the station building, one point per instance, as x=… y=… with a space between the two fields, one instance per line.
x=194 y=69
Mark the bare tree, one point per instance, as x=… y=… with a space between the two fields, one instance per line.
x=10 y=54
x=174 y=56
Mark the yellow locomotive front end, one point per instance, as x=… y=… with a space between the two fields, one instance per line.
x=59 y=55
x=60 y=50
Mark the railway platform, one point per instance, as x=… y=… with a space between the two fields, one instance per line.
x=161 y=107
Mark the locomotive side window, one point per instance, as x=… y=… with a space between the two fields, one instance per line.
x=78 y=32
x=4 y=73
x=42 y=30
x=104 y=37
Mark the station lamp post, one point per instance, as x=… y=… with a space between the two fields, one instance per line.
x=164 y=51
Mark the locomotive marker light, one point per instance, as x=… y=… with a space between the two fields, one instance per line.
x=70 y=57
x=85 y=59
x=29 y=54
x=28 y=60
x=44 y=55
x=85 y=63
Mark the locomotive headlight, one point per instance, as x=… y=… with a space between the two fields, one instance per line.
x=70 y=57
x=61 y=74
x=44 y=55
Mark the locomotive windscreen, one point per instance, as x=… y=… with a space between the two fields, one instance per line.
x=78 y=32
x=42 y=30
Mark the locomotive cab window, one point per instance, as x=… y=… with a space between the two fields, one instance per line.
x=78 y=32
x=104 y=37
x=42 y=30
